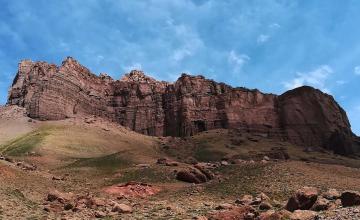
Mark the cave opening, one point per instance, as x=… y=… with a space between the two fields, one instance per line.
x=200 y=125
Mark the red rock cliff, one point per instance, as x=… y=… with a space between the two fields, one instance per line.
x=304 y=116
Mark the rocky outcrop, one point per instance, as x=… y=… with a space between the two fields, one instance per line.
x=304 y=116
x=313 y=118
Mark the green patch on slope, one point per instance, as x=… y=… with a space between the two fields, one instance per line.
x=207 y=154
x=25 y=143
x=109 y=163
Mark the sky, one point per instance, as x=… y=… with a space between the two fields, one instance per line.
x=272 y=45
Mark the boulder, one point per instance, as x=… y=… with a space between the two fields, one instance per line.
x=265 y=206
x=350 y=198
x=204 y=169
x=68 y=206
x=321 y=204
x=55 y=195
x=303 y=199
x=196 y=174
x=266 y=158
x=191 y=176
x=122 y=208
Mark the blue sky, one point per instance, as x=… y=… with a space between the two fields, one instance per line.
x=272 y=45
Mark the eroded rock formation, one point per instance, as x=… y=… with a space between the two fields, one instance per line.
x=304 y=116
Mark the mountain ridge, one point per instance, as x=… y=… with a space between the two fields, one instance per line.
x=304 y=116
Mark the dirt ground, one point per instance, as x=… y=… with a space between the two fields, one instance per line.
x=107 y=162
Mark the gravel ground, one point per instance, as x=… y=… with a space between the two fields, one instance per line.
x=340 y=214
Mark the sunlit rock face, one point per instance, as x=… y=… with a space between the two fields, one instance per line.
x=303 y=116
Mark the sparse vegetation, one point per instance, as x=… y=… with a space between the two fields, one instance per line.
x=240 y=180
x=109 y=163
x=146 y=175
x=206 y=154
x=24 y=144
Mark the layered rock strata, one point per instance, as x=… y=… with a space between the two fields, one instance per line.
x=304 y=116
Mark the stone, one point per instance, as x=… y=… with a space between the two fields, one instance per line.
x=224 y=163
x=270 y=215
x=98 y=202
x=55 y=195
x=122 y=208
x=303 y=199
x=256 y=201
x=190 y=176
x=303 y=215
x=186 y=107
x=205 y=170
x=263 y=197
x=57 y=178
x=350 y=198
x=26 y=166
x=321 y=204
x=100 y=214
x=196 y=174
x=224 y=206
x=167 y=162
x=68 y=206
x=332 y=194
x=240 y=212
x=265 y=206
x=143 y=165
x=245 y=200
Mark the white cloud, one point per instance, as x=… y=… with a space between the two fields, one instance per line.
x=274 y=26
x=190 y=42
x=341 y=82
x=263 y=38
x=133 y=66
x=180 y=54
x=64 y=46
x=357 y=70
x=315 y=78
x=99 y=58
x=237 y=60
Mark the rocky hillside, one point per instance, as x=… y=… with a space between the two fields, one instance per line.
x=303 y=116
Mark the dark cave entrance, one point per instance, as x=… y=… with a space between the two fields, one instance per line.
x=200 y=125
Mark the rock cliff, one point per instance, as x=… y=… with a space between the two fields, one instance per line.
x=304 y=116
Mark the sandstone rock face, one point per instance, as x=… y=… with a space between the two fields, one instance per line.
x=304 y=116
x=313 y=118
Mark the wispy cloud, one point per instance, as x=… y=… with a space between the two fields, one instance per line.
x=262 y=38
x=357 y=70
x=340 y=82
x=274 y=26
x=237 y=60
x=190 y=42
x=316 y=78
